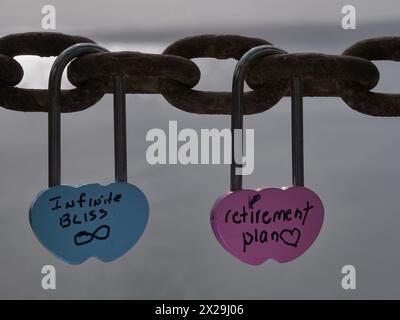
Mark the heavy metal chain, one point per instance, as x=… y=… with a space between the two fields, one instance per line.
x=350 y=76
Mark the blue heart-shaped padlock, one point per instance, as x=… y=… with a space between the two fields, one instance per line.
x=92 y=220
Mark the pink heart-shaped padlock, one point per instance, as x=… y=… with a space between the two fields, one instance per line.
x=272 y=223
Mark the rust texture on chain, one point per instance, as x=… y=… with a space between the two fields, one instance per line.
x=350 y=76
x=43 y=45
x=321 y=73
x=218 y=47
x=11 y=72
x=360 y=98
x=145 y=73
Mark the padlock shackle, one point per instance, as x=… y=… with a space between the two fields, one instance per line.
x=297 y=132
x=54 y=118
x=237 y=117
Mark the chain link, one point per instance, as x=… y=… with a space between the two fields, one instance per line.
x=205 y=102
x=42 y=44
x=360 y=98
x=350 y=76
x=145 y=73
x=11 y=72
x=320 y=72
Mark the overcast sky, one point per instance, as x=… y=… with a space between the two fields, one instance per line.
x=156 y=15
x=350 y=160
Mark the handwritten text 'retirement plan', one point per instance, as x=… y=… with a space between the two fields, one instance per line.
x=264 y=220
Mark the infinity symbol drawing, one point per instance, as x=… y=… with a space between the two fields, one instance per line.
x=84 y=237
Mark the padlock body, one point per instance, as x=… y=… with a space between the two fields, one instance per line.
x=76 y=223
x=270 y=223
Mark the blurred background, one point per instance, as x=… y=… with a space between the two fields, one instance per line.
x=351 y=160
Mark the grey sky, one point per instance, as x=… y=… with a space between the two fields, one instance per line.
x=351 y=161
x=156 y=15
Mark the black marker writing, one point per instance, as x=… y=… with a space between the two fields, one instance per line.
x=67 y=219
x=289 y=237
x=82 y=201
x=57 y=206
x=265 y=217
x=253 y=200
x=306 y=211
x=85 y=237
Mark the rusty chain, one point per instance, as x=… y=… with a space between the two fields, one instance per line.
x=145 y=73
x=44 y=44
x=350 y=76
x=218 y=47
x=361 y=99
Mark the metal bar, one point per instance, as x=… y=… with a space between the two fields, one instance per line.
x=54 y=94
x=237 y=121
x=297 y=133
x=237 y=112
x=121 y=174
x=54 y=123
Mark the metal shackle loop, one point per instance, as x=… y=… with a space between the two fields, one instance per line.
x=54 y=118
x=237 y=117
